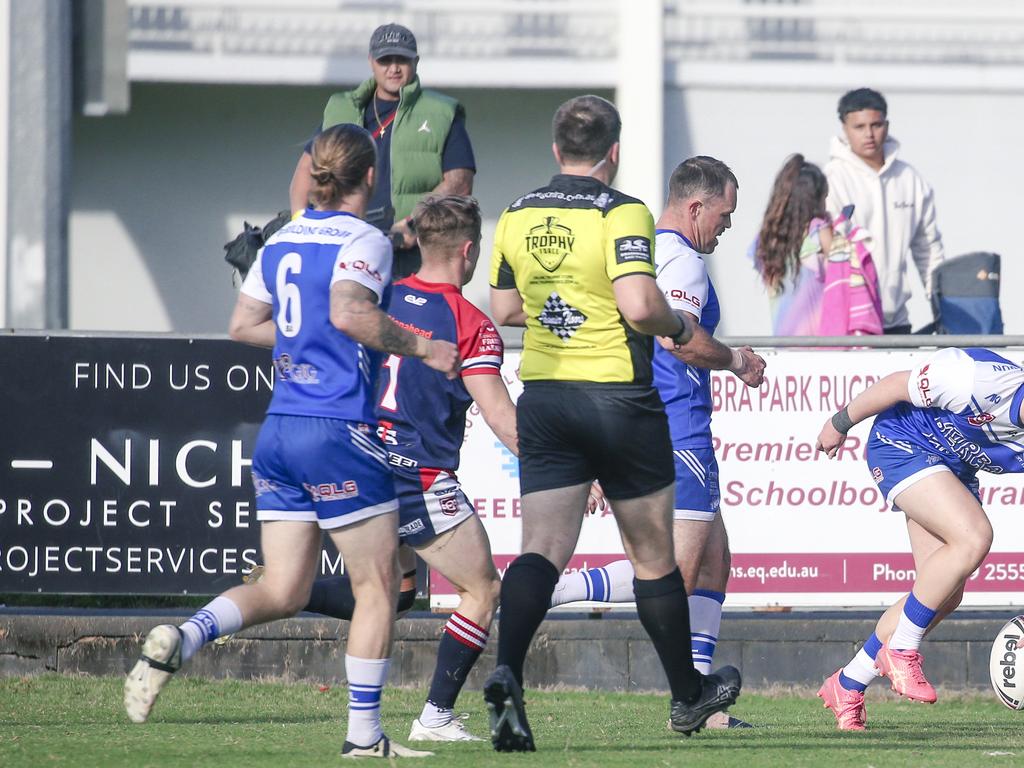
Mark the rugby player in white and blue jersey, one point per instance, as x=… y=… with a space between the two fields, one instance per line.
x=702 y=198
x=937 y=426
x=315 y=295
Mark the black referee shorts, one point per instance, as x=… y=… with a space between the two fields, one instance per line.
x=573 y=432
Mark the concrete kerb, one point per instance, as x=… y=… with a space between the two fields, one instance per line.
x=608 y=654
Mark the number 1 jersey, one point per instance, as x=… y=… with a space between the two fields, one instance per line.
x=319 y=370
x=421 y=413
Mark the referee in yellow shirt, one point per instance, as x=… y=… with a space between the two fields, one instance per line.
x=573 y=262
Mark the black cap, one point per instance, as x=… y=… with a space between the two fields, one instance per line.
x=392 y=40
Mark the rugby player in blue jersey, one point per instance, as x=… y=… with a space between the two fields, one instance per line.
x=702 y=198
x=315 y=294
x=937 y=426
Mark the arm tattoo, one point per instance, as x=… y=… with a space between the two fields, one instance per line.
x=367 y=323
x=394 y=339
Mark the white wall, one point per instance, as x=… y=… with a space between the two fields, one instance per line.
x=158 y=191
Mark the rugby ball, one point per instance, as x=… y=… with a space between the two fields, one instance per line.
x=1005 y=665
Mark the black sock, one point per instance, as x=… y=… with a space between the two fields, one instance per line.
x=525 y=597
x=406 y=599
x=461 y=645
x=665 y=615
x=333 y=597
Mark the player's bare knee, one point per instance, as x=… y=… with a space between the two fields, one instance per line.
x=976 y=544
x=282 y=600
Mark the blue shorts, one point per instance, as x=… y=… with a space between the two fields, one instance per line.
x=697 y=496
x=326 y=471
x=897 y=461
x=430 y=502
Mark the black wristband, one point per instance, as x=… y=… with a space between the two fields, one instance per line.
x=681 y=332
x=841 y=420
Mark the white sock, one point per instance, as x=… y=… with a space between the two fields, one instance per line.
x=861 y=668
x=434 y=717
x=705 y=623
x=365 y=682
x=220 y=616
x=914 y=620
x=612 y=583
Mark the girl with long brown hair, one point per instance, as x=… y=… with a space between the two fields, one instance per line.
x=816 y=268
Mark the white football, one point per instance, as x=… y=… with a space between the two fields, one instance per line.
x=1003 y=663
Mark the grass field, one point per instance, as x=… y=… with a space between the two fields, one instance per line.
x=63 y=721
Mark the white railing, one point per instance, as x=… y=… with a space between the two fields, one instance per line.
x=870 y=31
x=251 y=39
x=444 y=28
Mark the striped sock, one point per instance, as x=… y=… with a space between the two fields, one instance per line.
x=612 y=583
x=913 y=623
x=461 y=645
x=705 y=623
x=858 y=674
x=365 y=681
x=221 y=616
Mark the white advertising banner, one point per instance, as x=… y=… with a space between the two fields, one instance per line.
x=804 y=530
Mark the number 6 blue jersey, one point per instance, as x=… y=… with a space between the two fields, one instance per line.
x=320 y=370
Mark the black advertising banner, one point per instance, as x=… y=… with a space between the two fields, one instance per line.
x=125 y=463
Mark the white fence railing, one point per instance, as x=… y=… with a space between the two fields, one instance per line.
x=445 y=28
x=870 y=31
x=873 y=31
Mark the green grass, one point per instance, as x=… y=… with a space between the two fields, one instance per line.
x=65 y=721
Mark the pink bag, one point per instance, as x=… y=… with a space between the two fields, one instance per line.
x=851 y=305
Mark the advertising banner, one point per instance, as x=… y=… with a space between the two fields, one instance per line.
x=124 y=464
x=804 y=530
x=125 y=469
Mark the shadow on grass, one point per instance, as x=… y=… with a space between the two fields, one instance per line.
x=163 y=720
x=835 y=746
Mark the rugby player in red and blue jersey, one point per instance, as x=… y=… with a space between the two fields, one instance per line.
x=422 y=417
x=954 y=415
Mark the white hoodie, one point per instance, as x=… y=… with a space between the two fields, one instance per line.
x=896 y=207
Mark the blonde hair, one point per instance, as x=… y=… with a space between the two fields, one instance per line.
x=444 y=222
x=342 y=154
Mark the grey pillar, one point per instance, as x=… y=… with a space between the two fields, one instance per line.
x=38 y=119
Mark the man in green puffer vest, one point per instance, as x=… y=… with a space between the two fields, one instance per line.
x=421 y=138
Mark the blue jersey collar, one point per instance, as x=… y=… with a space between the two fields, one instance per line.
x=678 y=234
x=312 y=213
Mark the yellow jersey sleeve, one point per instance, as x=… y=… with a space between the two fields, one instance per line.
x=629 y=241
x=502 y=275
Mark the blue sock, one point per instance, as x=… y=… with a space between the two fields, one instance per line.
x=872 y=646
